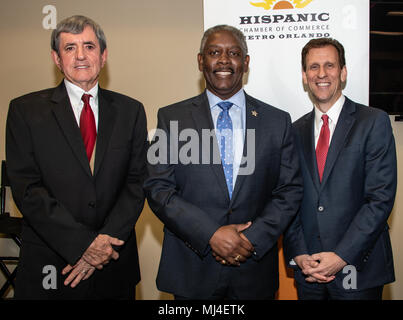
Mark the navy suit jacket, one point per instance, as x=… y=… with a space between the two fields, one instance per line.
x=193 y=202
x=63 y=205
x=347 y=213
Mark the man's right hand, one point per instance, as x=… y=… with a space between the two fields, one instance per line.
x=98 y=254
x=79 y=272
x=230 y=245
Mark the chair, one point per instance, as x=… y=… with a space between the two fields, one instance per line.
x=10 y=227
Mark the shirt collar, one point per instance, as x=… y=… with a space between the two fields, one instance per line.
x=333 y=113
x=238 y=99
x=75 y=92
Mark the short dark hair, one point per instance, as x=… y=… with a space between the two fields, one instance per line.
x=223 y=27
x=76 y=25
x=320 y=43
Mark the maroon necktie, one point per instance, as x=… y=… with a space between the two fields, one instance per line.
x=87 y=126
x=323 y=146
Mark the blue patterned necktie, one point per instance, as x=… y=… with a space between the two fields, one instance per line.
x=224 y=126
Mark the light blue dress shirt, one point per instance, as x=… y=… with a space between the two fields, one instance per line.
x=238 y=117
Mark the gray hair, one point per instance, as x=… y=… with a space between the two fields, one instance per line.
x=76 y=25
x=223 y=27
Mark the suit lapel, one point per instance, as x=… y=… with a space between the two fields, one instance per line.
x=65 y=117
x=308 y=145
x=201 y=114
x=252 y=123
x=106 y=122
x=343 y=127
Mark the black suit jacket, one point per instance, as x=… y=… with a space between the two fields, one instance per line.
x=193 y=202
x=63 y=205
x=347 y=213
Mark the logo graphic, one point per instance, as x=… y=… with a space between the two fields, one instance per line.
x=275 y=4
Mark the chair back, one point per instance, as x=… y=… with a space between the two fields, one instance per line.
x=4 y=183
x=10 y=227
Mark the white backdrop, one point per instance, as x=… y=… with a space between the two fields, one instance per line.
x=276 y=36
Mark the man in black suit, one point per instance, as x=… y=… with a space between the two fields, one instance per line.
x=339 y=239
x=76 y=157
x=225 y=195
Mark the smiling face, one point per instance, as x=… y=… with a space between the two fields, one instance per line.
x=80 y=58
x=324 y=76
x=223 y=64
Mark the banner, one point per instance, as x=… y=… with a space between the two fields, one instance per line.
x=276 y=31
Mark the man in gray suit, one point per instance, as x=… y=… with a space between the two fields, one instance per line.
x=226 y=194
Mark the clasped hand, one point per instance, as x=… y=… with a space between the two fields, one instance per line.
x=98 y=254
x=230 y=246
x=320 y=267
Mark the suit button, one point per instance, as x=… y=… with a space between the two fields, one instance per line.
x=321 y=208
x=91 y=204
x=229 y=211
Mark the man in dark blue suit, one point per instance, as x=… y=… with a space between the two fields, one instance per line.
x=226 y=184
x=339 y=240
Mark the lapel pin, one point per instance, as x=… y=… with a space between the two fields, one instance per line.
x=254 y=113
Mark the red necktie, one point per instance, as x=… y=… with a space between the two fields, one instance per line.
x=323 y=146
x=87 y=126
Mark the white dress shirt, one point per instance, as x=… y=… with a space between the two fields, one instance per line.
x=333 y=114
x=75 y=93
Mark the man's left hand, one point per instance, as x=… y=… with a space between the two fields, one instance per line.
x=100 y=252
x=329 y=264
